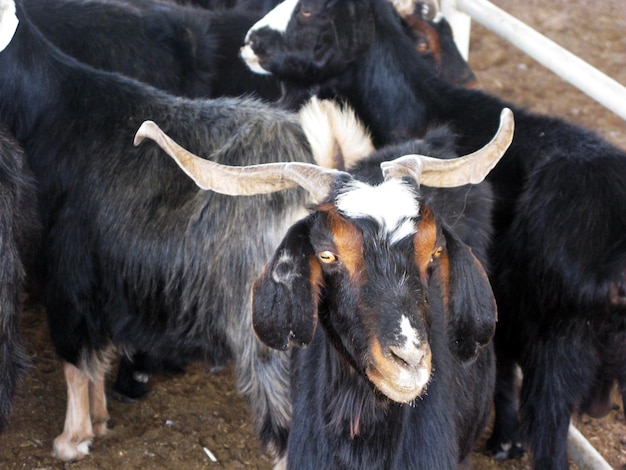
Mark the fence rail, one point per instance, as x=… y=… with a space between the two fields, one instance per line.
x=571 y=68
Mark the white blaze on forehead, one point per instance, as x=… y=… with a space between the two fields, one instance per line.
x=8 y=23
x=392 y=204
x=277 y=19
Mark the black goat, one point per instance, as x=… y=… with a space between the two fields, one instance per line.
x=399 y=296
x=559 y=260
x=186 y=51
x=134 y=256
x=18 y=243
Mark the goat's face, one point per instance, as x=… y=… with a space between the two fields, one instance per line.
x=309 y=40
x=365 y=266
x=435 y=44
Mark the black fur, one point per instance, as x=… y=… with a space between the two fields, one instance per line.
x=186 y=51
x=19 y=231
x=261 y=6
x=559 y=260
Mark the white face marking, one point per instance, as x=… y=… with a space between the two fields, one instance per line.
x=277 y=20
x=393 y=204
x=414 y=350
x=406 y=330
x=252 y=61
x=8 y=24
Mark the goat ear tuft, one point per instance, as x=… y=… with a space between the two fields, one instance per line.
x=285 y=295
x=472 y=306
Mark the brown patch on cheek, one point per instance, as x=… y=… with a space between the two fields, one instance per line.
x=315 y=278
x=424 y=241
x=444 y=270
x=378 y=358
x=349 y=243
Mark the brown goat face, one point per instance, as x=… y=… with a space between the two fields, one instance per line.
x=301 y=40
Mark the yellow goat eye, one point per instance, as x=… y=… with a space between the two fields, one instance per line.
x=436 y=254
x=326 y=256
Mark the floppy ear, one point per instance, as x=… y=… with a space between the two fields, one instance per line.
x=285 y=295
x=471 y=303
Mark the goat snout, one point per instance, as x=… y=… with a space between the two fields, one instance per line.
x=407 y=357
x=400 y=372
x=251 y=58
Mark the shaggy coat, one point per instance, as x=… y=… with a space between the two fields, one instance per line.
x=19 y=231
x=186 y=51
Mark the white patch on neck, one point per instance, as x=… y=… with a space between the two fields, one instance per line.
x=8 y=24
x=392 y=204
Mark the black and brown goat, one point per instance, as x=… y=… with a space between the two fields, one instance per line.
x=400 y=299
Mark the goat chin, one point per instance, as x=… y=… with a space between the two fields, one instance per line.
x=400 y=383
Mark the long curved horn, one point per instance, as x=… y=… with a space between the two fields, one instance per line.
x=442 y=173
x=242 y=180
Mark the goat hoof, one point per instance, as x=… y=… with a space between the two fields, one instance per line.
x=69 y=451
x=131 y=392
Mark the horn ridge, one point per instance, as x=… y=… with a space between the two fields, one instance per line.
x=449 y=173
x=242 y=180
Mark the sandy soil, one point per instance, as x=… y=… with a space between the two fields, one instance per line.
x=197 y=410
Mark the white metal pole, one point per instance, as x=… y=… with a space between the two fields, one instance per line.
x=461 y=25
x=583 y=453
x=571 y=68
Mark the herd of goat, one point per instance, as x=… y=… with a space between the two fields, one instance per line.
x=315 y=192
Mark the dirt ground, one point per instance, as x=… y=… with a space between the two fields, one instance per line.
x=197 y=410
